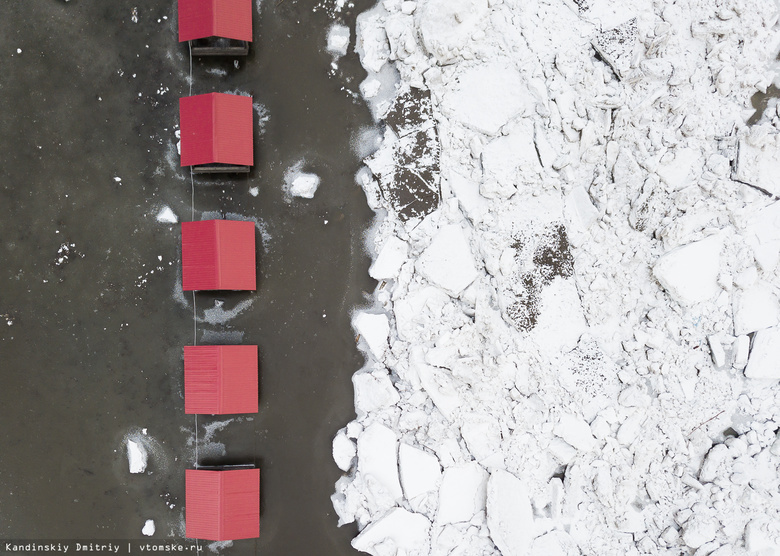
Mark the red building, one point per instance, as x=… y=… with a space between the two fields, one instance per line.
x=218 y=255
x=216 y=129
x=220 y=380
x=230 y=19
x=222 y=505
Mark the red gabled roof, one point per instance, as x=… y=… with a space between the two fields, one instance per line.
x=220 y=379
x=230 y=19
x=222 y=505
x=216 y=128
x=218 y=255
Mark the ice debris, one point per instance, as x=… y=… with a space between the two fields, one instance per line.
x=136 y=456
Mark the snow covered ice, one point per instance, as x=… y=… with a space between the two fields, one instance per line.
x=573 y=342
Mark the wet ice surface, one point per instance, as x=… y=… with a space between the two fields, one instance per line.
x=577 y=335
x=92 y=345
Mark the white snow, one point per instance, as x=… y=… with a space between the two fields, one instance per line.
x=136 y=456
x=448 y=261
x=764 y=360
x=148 y=528
x=167 y=215
x=690 y=273
x=510 y=517
x=338 y=40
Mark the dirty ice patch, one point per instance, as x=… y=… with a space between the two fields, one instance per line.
x=485 y=97
x=338 y=40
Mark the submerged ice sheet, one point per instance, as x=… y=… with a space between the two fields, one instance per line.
x=573 y=342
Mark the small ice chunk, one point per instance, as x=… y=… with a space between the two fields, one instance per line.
x=510 y=518
x=486 y=96
x=575 y=431
x=393 y=254
x=617 y=46
x=374 y=329
x=338 y=40
x=18 y=50
x=117 y=179
x=699 y=530
x=741 y=351
x=344 y=450
x=764 y=361
x=377 y=450
x=758 y=161
x=420 y=471
x=717 y=455
x=754 y=309
x=136 y=456
x=448 y=262
x=690 y=272
x=580 y=209
x=148 y=528
x=167 y=216
x=462 y=493
x=717 y=351
x=397 y=532
x=254 y=191
x=304 y=185
x=373 y=390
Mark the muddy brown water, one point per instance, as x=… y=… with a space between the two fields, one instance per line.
x=91 y=339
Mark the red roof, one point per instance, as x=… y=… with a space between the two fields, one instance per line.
x=218 y=255
x=220 y=379
x=222 y=505
x=216 y=128
x=230 y=19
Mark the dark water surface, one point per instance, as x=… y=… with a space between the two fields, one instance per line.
x=91 y=339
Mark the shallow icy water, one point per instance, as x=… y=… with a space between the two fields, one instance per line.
x=92 y=333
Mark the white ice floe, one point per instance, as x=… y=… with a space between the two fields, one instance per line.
x=510 y=517
x=397 y=532
x=136 y=456
x=374 y=329
x=344 y=450
x=373 y=390
x=338 y=40
x=167 y=215
x=148 y=528
x=420 y=471
x=764 y=360
x=690 y=273
x=755 y=308
x=388 y=262
x=462 y=493
x=448 y=262
x=758 y=160
x=304 y=185
x=377 y=450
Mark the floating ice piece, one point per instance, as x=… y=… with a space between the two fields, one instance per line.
x=136 y=456
x=439 y=386
x=305 y=185
x=509 y=160
x=371 y=40
x=580 y=209
x=397 y=532
x=420 y=471
x=575 y=431
x=462 y=493
x=374 y=329
x=690 y=272
x=510 y=518
x=344 y=450
x=148 y=528
x=167 y=215
x=487 y=96
x=373 y=390
x=338 y=39
x=678 y=172
x=393 y=254
x=555 y=543
x=758 y=161
x=617 y=47
x=446 y=26
x=418 y=310
x=754 y=309
x=447 y=262
x=377 y=450
x=764 y=361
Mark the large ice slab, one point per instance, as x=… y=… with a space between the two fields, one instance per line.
x=420 y=471
x=462 y=493
x=377 y=450
x=754 y=309
x=447 y=262
x=393 y=254
x=690 y=272
x=764 y=361
x=486 y=96
x=758 y=162
x=397 y=532
x=509 y=514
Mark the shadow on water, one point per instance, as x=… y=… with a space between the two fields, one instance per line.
x=91 y=345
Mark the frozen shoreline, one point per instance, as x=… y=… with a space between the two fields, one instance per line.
x=573 y=267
